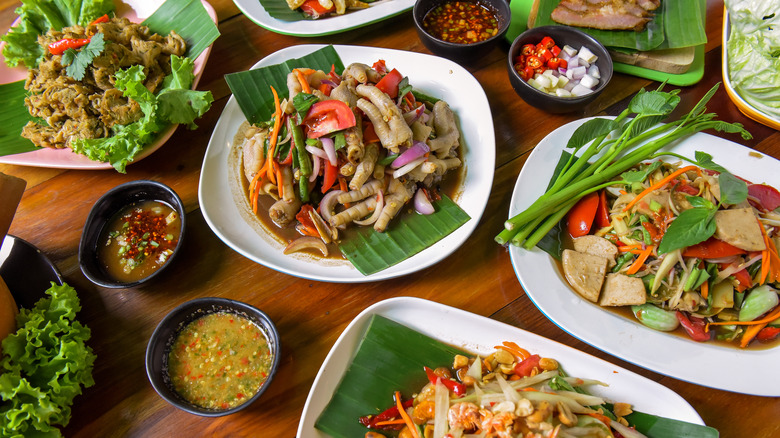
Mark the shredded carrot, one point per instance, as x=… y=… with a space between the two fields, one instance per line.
x=601 y=417
x=660 y=184
x=280 y=185
x=302 y=79
x=405 y=416
x=253 y=192
x=771 y=316
x=390 y=422
x=274 y=134
x=529 y=389
x=634 y=268
x=554 y=433
x=514 y=349
x=487 y=364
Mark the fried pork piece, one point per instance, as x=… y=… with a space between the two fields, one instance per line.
x=89 y=108
x=606 y=14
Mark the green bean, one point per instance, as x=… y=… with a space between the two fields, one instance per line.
x=757 y=302
x=655 y=317
x=300 y=146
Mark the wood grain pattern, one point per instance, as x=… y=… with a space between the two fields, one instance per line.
x=310 y=315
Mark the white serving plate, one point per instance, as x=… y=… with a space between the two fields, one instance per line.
x=716 y=366
x=479 y=335
x=432 y=75
x=352 y=19
x=136 y=11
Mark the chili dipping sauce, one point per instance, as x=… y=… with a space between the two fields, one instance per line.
x=461 y=22
x=219 y=361
x=139 y=240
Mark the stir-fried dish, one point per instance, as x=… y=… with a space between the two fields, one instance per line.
x=345 y=150
x=683 y=246
x=510 y=393
x=75 y=92
x=322 y=8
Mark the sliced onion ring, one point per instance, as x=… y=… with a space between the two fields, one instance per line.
x=408 y=167
x=422 y=204
x=328 y=204
x=417 y=150
x=317 y=152
x=315 y=168
x=380 y=204
x=330 y=150
x=306 y=242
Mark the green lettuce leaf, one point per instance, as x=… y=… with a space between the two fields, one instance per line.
x=45 y=365
x=38 y=16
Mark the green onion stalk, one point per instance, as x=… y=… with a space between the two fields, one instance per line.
x=620 y=144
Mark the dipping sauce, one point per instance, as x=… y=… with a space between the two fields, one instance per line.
x=219 y=361
x=139 y=240
x=461 y=22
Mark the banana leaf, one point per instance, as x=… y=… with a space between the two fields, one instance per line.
x=252 y=90
x=648 y=39
x=187 y=17
x=391 y=358
x=370 y=251
x=684 y=24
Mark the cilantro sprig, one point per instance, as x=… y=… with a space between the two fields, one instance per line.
x=77 y=61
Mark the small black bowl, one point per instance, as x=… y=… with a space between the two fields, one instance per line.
x=106 y=209
x=165 y=334
x=562 y=35
x=461 y=53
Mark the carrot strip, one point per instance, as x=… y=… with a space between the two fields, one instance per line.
x=660 y=184
x=280 y=186
x=302 y=79
x=390 y=422
x=771 y=316
x=514 y=349
x=405 y=416
x=705 y=289
x=634 y=268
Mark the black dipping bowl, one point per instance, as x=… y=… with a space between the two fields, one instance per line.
x=105 y=209
x=27 y=271
x=461 y=53
x=165 y=334
x=562 y=35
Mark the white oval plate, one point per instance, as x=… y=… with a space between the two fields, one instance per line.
x=352 y=19
x=65 y=158
x=479 y=335
x=432 y=75
x=726 y=368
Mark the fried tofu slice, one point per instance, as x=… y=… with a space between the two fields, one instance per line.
x=622 y=290
x=585 y=273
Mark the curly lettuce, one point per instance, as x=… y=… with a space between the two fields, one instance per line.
x=36 y=17
x=754 y=53
x=175 y=103
x=45 y=364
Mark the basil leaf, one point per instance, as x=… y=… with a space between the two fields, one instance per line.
x=637 y=176
x=704 y=160
x=653 y=103
x=698 y=201
x=590 y=130
x=732 y=189
x=691 y=227
x=302 y=102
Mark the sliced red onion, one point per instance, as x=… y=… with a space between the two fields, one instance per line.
x=380 y=204
x=403 y=170
x=576 y=73
x=562 y=71
x=593 y=70
x=328 y=204
x=317 y=152
x=315 y=168
x=422 y=204
x=417 y=150
x=411 y=116
x=306 y=242
x=329 y=82
x=330 y=150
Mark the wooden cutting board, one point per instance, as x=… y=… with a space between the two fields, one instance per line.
x=674 y=61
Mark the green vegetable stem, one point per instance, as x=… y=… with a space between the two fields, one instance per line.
x=616 y=145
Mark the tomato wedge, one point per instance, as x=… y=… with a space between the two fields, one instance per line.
x=580 y=217
x=712 y=248
x=389 y=83
x=768 y=334
x=314 y=9
x=329 y=178
x=526 y=367
x=456 y=387
x=602 y=212
x=327 y=116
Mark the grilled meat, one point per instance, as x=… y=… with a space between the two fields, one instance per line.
x=606 y=14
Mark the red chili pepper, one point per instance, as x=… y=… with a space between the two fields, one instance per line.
x=547 y=42
x=534 y=62
x=456 y=387
x=695 y=327
x=768 y=334
x=526 y=367
x=555 y=50
x=742 y=276
x=581 y=216
x=712 y=248
x=553 y=63
x=655 y=233
x=564 y=63
x=528 y=49
x=370 y=420
x=103 y=19
x=546 y=55
x=59 y=47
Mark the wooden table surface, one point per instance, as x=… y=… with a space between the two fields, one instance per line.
x=310 y=315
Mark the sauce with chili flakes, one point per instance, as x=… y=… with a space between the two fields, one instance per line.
x=461 y=22
x=219 y=361
x=139 y=240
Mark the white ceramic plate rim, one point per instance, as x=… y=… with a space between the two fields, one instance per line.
x=67 y=159
x=478 y=335
x=430 y=74
x=731 y=369
x=352 y=19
